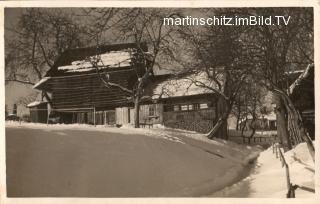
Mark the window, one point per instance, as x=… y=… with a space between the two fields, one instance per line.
x=190 y=107
x=203 y=106
x=196 y=106
x=176 y=108
x=184 y=107
x=151 y=110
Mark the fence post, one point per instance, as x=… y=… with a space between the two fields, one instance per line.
x=105 y=118
x=291 y=192
x=94 y=115
x=272 y=142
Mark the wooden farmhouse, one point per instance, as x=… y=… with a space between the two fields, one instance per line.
x=263 y=123
x=178 y=103
x=79 y=96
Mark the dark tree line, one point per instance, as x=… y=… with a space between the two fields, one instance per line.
x=37 y=39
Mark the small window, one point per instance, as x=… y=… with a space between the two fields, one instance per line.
x=184 y=107
x=203 y=106
x=151 y=110
x=196 y=106
x=190 y=107
x=176 y=107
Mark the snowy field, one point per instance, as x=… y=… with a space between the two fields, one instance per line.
x=87 y=161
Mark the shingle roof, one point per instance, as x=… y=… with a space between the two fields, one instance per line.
x=77 y=60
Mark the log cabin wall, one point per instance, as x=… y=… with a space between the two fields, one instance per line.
x=194 y=114
x=88 y=91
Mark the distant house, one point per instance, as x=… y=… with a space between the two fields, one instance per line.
x=266 y=122
x=79 y=96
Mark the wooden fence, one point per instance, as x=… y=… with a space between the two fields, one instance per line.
x=290 y=186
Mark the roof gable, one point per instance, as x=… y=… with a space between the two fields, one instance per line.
x=78 y=60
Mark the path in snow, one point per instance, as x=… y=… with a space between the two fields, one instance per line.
x=268 y=179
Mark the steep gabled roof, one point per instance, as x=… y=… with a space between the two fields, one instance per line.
x=76 y=60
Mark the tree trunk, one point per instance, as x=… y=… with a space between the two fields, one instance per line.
x=214 y=132
x=282 y=126
x=219 y=129
x=252 y=128
x=136 y=112
x=238 y=121
x=238 y=115
x=243 y=128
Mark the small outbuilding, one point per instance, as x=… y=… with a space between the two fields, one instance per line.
x=38 y=111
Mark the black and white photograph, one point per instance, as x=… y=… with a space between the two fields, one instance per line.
x=159 y=102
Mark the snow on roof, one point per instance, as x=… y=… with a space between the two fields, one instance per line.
x=295 y=71
x=35 y=103
x=185 y=86
x=271 y=117
x=112 y=59
x=42 y=81
x=302 y=76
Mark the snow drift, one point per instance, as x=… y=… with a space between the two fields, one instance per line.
x=268 y=178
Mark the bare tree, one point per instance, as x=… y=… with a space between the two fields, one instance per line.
x=221 y=54
x=285 y=48
x=34 y=43
x=256 y=106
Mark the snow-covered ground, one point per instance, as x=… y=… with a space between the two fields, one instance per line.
x=187 y=163
x=242 y=154
x=268 y=179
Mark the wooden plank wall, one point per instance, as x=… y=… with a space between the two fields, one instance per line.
x=122 y=114
x=145 y=115
x=39 y=114
x=102 y=118
x=86 y=91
